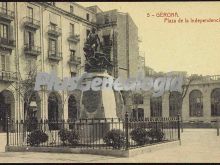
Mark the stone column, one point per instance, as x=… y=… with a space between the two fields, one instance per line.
x=146 y=104
x=207 y=104
x=165 y=104
x=185 y=107
x=45 y=105
x=65 y=107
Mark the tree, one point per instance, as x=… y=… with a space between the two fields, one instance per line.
x=25 y=87
x=186 y=84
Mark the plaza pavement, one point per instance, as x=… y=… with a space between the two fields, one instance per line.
x=197 y=145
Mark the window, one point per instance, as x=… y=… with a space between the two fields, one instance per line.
x=106 y=39
x=53 y=111
x=138 y=99
x=52 y=46
x=3 y=31
x=87 y=16
x=3 y=61
x=5 y=65
x=30 y=13
x=87 y=32
x=71 y=9
x=106 y=17
x=72 y=54
x=29 y=38
x=175 y=100
x=53 y=26
x=156 y=106
x=4 y=6
x=72 y=30
x=195 y=104
x=30 y=65
x=215 y=102
x=73 y=74
x=138 y=114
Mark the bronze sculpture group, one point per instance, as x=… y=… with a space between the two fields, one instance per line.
x=96 y=58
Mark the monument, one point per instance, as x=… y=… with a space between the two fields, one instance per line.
x=99 y=104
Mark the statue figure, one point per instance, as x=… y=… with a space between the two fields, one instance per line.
x=96 y=59
x=94 y=40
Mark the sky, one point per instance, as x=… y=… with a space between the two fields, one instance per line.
x=191 y=47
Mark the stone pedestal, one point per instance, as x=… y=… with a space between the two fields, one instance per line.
x=97 y=105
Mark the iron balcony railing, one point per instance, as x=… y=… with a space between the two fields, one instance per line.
x=7 y=42
x=213 y=78
x=31 y=49
x=74 y=37
x=202 y=79
x=8 y=76
x=54 y=55
x=7 y=13
x=75 y=60
x=54 y=30
x=30 y=22
x=107 y=23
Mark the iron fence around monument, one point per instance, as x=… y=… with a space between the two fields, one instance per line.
x=94 y=133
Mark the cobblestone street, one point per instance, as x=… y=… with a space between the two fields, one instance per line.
x=198 y=145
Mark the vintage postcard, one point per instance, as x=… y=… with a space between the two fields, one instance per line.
x=109 y=82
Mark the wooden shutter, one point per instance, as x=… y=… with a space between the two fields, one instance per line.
x=11 y=33
x=72 y=29
x=3 y=62
x=26 y=37
x=32 y=39
x=7 y=63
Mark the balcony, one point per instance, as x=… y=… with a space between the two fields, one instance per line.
x=32 y=50
x=74 y=60
x=55 y=56
x=31 y=23
x=7 y=44
x=54 y=31
x=75 y=38
x=8 y=76
x=107 y=24
x=6 y=15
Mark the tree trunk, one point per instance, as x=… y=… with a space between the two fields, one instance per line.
x=181 y=114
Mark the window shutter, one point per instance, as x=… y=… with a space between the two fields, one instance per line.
x=1 y=63
x=11 y=33
x=49 y=44
x=7 y=59
x=25 y=37
x=32 y=39
x=53 y=18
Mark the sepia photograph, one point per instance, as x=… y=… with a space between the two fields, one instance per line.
x=109 y=82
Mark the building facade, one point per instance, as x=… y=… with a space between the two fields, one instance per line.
x=199 y=104
x=50 y=36
x=47 y=37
